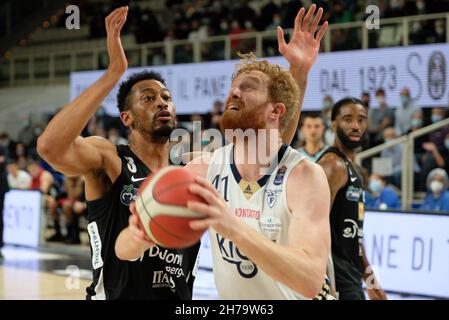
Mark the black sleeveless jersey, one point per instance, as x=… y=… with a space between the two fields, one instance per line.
x=159 y=273
x=346 y=221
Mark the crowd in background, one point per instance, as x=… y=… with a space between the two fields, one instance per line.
x=63 y=196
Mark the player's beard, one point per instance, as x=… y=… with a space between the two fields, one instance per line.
x=157 y=133
x=346 y=141
x=244 y=119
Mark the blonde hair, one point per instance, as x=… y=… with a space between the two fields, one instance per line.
x=282 y=87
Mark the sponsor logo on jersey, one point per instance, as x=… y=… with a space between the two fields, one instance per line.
x=165 y=255
x=247 y=213
x=270 y=227
x=272 y=197
x=280 y=174
x=354 y=193
x=352 y=230
x=162 y=279
x=95 y=243
x=231 y=254
x=128 y=195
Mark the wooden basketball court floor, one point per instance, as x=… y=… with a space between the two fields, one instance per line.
x=64 y=274
x=32 y=274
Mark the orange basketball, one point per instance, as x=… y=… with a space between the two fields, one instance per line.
x=162 y=208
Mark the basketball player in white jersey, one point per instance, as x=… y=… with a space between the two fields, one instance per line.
x=269 y=231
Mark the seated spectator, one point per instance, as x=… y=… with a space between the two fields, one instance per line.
x=437 y=197
x=380 y=118
x=313 y=131
x=395 y=154
x=115 y=137
x=380 y=196
x=73 y=206
x=405 y=112
x=435 y=149
x=18 y=179
x=43 y=181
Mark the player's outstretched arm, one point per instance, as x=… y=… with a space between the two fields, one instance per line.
x=301 y=53
x=60 y=144
x=300 y=265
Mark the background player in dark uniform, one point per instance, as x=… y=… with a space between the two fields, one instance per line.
x=114 y=173
x=349 y=121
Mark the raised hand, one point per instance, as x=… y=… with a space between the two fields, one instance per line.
x=114 y=24
x=302 y=50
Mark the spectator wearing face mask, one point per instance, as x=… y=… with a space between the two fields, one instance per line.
x=404 y=112
x=437 y=136
x=437 y=197
x=380 y=196
x=380 y=118
x=435 y=155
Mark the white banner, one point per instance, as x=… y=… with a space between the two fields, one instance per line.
x=21 y=217
x=409 y=252
x=195 y=87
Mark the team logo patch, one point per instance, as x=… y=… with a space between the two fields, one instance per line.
x=272 y=197
x=128 y=195
x=351 y=231
x=231 y=254
x=280 y=174
x=354 y=194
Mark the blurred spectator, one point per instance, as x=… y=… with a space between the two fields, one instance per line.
x=380 y=118
x=115 y=138
x=244 y=13
x=326 y=111
x=72 y=206
x=365 y=98
x=148 y=29
x=8 y=144
x=313 y=131
x=269 y=15
x=18 y=179
x=214 y=117
x=440 y=31
x=381 y=196
x=3 y=189
x=395 y=154
x=43 y=182
x=437 y=197
x=404 y=112
x=416 y=123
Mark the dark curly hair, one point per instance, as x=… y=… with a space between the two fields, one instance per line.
x=125 y=86
x=339 y=104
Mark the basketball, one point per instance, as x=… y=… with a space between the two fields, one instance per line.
x=162 y=208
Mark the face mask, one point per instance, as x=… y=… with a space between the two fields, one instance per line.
x=439 y=30
x=224 y=26
x=436 y=118
x=420 y=5
x=404 y=100
x=436 y=186
x=446 y=143
x=416 y=123
x=276 y=21
x=375 y=186
x=327 y=104
x=388 y=140
x=380 y=99
x=248 y=24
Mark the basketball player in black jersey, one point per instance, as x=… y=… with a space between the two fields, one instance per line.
x=113 y=175
x=349 y=121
